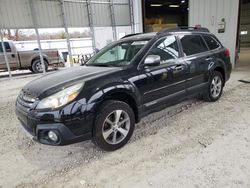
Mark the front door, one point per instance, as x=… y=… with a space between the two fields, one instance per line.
x=11 y=56
x=165 y=82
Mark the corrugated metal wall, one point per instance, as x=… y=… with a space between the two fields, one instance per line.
x=48 y=13
x=101 y=14
x=76 y=14
x=208 y=13
x=17 y=13
x=245 y=25
x=11 y=10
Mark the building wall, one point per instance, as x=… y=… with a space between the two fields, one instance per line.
x=208 y=13
x=104 y=35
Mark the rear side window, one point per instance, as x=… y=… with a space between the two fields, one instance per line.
x=192 y=44
x=211 y=42
x=7 y=47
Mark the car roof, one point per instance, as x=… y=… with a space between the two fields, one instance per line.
x=148 y=36
x=140 y=36
x=184 y=29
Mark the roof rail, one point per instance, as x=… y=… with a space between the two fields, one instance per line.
x=130 y=35
x=200 y=29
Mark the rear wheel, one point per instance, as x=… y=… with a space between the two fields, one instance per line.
x=215 y=87
x=114 y=125
x=37 y=66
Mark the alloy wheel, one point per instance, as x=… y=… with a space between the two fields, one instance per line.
x=216 y=86
x=116 y=127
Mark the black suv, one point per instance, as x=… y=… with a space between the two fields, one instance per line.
x=125 y=81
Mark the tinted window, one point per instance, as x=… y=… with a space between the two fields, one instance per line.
x=211 y=42
x=192 y=44
x=166 y=48
x=7 y=47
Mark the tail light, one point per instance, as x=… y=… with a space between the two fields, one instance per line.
x=227 y=52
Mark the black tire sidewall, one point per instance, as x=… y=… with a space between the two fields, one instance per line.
x=209 y=94
x=34 y=69
x=106 y=108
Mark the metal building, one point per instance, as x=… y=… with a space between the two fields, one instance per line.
x=107 y=19
x=221 y=17
x=27 y=14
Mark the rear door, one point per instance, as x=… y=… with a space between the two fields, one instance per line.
x=216 y=50
x=198 y=57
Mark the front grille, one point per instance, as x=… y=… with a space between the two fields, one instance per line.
x=24 y=104
x=25 y=101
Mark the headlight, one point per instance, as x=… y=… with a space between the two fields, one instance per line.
x=60 y=98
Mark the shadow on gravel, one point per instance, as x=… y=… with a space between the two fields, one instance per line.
x=244 y=81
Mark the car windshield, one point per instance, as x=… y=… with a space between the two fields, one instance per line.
x=119 y=54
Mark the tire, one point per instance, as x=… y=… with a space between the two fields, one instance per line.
x=109 y=135
x=215 y=87
x=37 y=66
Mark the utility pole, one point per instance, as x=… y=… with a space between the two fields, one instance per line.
x=34 y=19
x=112 y=13
x=5 y=55
x=91 y=25
x=65 y=25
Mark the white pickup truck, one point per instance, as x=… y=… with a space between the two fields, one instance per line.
x=27 y=59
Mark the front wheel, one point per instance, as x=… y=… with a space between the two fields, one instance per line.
x=114 y=125
x=215 y=87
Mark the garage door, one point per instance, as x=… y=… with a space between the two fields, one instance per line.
x=245 y=25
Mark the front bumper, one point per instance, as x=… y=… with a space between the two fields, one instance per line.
x=71 y=130
x=64 y=134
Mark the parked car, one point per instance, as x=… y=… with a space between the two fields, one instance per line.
x=27 y=59
x=124 y=82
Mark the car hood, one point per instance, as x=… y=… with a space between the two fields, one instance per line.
x=53 y=82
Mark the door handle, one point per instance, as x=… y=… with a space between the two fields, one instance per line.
x=209 y=59
x=179 y=67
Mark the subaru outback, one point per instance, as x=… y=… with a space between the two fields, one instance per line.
x=125 y=81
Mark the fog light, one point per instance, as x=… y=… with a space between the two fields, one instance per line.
x=53 y=136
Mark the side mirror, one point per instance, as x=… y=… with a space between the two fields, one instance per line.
x=152 y=60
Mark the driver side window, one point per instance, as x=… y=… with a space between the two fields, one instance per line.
x=166 y=48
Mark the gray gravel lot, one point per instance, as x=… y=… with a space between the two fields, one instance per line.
x=192 y=144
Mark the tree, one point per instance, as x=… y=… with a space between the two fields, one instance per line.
x=11 y=34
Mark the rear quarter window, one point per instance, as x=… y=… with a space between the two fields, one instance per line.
x=192 y=44
x=211 y=42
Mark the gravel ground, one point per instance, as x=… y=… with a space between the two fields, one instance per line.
x=192 y=144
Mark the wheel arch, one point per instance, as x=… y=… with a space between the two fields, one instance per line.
x=37 y=58
x=124 y=96
x=220 y=66
x=222 y=71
